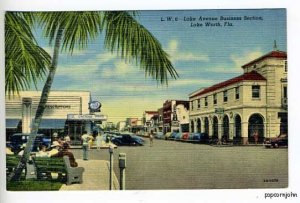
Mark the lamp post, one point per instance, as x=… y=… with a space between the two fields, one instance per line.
x=111 y=151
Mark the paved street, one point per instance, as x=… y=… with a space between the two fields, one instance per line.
x=177 y=165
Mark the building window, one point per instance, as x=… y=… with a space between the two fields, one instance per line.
x=198 y=103
x=285 y=66
x=205 y=101
x=192 y=105
x=285 y=96
x=215 y=99
x=225 y=98
x=237 y=93
x=255 y=91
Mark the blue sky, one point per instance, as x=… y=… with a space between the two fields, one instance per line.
x=202 y=56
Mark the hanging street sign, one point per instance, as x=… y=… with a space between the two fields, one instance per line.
x=219 y=110
x=88 y=117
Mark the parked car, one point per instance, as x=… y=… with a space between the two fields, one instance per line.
x=127 y=139
x=159 y=135
x=168 y=135
x=185 y=136
x=178 y=136
x=172 y=135
x=201 y=137
x=280 y=140
x=17 y=140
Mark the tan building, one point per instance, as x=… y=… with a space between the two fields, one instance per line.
x=255 y=101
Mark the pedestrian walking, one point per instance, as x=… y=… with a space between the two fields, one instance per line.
x=151 y=137
x=255 y=135
x=85 y=138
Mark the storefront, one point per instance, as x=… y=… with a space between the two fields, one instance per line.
x=20 y=111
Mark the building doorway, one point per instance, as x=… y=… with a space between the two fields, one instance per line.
x=238 y=129
x=256 y=124
x=215 y=127
x=192 y=126
x=198 y=125
x=226 y=128
x=206 y=125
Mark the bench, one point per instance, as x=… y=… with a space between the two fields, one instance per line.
x=61 y=165
x=11 y=162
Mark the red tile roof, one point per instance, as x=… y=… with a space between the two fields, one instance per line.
x=252 y=76
x=272 y=54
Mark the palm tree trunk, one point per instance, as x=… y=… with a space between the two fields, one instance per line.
x=16 y=174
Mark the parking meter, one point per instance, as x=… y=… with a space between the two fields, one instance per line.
x=122 y=160
x=111 y=149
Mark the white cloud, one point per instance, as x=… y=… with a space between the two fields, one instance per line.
x=177 y=55
x=76 y=52
x=185 y=82
x=243 y=58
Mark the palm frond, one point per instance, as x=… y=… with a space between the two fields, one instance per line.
x=133 y=41
x=79 y=27
x=25 y=61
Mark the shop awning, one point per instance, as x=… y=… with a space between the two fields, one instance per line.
x=52 y=124
x=12 y=123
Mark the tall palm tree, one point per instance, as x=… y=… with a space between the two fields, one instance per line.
x=25 y=61
x=123 y=34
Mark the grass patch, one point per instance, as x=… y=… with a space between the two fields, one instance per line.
x=33 y=185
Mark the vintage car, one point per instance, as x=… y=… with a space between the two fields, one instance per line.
x=127 y=139
x=18 y=140
x=275 y=142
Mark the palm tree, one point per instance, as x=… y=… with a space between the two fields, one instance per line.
x=123 y=34
x=25 y=61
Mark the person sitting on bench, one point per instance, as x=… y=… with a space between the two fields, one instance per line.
x=65 y=152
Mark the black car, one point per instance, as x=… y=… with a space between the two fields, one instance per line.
x=17 y=140
x=279 y=141
x=128 y=140
x=200 y=137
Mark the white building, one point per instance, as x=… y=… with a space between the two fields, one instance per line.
x=66 y=112
x=253 y=101
x=176 y=116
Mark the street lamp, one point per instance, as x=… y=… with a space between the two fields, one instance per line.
x=111 y=151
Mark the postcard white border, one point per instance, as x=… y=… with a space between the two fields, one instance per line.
x=244 y=195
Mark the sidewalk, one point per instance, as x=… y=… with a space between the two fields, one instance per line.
x=95 y=176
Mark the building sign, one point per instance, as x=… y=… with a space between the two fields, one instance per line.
x=57 y=106
x=95 y=106
x=219 y=110
x=88 y=117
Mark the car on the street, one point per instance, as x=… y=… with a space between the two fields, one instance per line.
x=200 y=137
x=159 y=135
x=185 y=136
x=18 y=140
x=168 y=135
x=172 y=135
x=275 y=142
x=178 y=136
x=127 y=140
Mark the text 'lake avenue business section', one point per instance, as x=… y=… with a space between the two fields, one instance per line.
x=217 y=21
